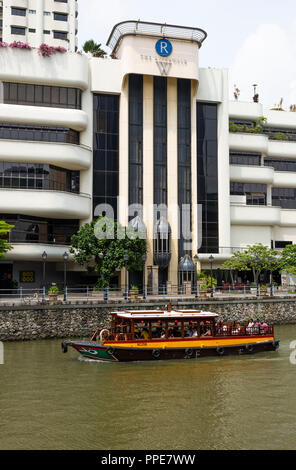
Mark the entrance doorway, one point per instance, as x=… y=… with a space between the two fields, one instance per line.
x=5 y=276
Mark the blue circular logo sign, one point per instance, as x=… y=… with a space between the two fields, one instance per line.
x=164 y=47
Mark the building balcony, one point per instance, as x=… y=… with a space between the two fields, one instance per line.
x=284 y=179
x=241 y=142
x=33 y=252
x=254 y=215
x=248 y=111
x=288 y=217
x=68 y=156
x=281 y=148
x=252 y=174
x=44 y=203
x=43 y=116
x=63 y=69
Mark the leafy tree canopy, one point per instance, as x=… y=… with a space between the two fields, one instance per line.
x=256 y=257
x=4 y=231
x=105 y=254
x=94 y=48
x=288 y=259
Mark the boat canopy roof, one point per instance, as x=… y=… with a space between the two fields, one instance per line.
x=164 y=314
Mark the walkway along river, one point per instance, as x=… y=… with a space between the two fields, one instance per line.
x=49 y=400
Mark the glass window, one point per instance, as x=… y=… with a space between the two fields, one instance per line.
x=18 y=11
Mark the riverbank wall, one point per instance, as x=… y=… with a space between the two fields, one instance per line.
x=80 y=320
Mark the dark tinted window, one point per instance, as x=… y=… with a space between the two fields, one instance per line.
x=42 y=95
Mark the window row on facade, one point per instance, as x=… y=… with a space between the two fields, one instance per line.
x=41 y=95
x=28 y=229
x=38 y=176
x=39 y=133
x=57 y=16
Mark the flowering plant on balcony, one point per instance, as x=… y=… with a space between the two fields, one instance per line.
x=3 y=44
x=46 y=51
x=20 y=45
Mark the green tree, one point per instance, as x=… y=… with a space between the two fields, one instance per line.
x=94 y=48
x=255 y=258
x=104 y=255
x=4 y=231
x=288 y=259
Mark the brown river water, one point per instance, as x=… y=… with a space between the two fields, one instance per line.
x=51 y=400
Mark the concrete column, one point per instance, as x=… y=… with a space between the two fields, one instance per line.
x=194 y=215
x=172 y=156
x=223 y=165
x=148 y=166
x=123 y=156
x=269 y=195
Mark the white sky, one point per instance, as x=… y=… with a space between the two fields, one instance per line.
x=254 y=39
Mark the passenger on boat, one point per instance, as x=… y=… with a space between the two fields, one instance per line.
x=208 y=332
x=136 y=332
x=145 y=334
x=264 y=328
x=250 y=327
x=202 y=328
x=189 y=331
x=257 y=326
x=162 y=334
x=194 y=332
x=171 y=333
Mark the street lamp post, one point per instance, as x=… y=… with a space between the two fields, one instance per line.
x=257 y=265
x=144 y=258
x=195 y=259
x=211 y=259
x=125 y=257
x=44 y=258
x=271 y=280
x=65 y=256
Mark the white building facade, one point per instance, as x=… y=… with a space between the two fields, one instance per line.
x=53 y=22
x=153 y=136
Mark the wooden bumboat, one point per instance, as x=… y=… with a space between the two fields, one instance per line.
x=173 y=334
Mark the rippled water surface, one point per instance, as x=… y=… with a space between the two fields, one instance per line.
x=50 y=400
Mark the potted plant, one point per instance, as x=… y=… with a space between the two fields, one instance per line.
x=134 y=292
x=53 y=292
x=203 y=288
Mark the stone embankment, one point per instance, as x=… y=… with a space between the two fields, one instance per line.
x=27 y=322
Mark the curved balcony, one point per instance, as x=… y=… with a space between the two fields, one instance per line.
x=251 y=174
x=69 y=156
x=43 y=203
x=42 y=116
x=248 y=111
x=254 y=215
x=33 y=252
x=61 y=69
x=288 y=217
x=281 y=148
x=248 y=142
x=284 y=179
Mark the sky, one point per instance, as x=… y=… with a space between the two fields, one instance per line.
x=255 y=39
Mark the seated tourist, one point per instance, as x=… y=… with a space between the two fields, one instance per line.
x=264 y=328
x=145 y=334
x=194 y=332
x=162 y=334
x=208 y=332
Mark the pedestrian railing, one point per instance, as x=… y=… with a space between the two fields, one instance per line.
x=168 y=293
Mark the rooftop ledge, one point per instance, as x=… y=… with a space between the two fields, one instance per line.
x=143 y=28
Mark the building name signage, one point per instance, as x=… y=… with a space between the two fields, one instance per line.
x=163 y=64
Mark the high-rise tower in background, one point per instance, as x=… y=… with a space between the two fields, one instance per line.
x=53 y=22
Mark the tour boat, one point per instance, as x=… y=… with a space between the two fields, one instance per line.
x=173 y=334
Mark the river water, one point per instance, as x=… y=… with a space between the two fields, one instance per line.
x=50 y=400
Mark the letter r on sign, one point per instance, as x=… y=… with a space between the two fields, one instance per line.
x=164 y=47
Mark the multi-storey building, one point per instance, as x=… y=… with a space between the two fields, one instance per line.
x=53 y=22
x=146 y=128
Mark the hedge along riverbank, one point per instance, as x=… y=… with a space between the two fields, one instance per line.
x=29 y=322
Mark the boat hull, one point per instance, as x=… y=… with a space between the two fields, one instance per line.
x=116 y=353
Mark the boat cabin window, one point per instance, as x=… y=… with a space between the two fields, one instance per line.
x=157 y=329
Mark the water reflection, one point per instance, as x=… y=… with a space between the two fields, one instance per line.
x=49 y=400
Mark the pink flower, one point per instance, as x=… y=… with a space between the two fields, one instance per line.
x=20 y=45
x=47 y=51
x=3 y=44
